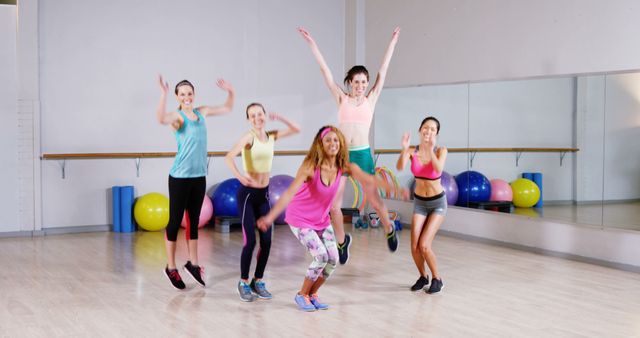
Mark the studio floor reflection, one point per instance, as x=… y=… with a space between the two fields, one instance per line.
x=108 y=284
x=610 y=215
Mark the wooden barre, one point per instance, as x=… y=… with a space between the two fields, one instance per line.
x=70 y=156
x=493 y=150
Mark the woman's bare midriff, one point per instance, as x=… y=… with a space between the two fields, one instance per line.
x=355 y=134
x=261 y=180
x=428 y=188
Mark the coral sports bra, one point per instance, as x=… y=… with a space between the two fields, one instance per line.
x=349 y=113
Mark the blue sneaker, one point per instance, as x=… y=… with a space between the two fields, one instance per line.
x=260 y=289
x=304 y=303
x=244 y=290
x=316 y=302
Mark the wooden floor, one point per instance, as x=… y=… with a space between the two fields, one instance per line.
x=109 y=285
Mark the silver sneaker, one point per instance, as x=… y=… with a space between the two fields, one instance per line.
x=245 y=292
x=260 y=289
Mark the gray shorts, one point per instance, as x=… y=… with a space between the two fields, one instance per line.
x=427 y=205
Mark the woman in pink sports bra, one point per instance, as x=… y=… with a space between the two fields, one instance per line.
x=430 y=202
x=308 y=201
x=355 y=113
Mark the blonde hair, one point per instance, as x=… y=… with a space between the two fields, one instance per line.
x=316 y=153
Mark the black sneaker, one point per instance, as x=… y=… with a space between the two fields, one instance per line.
x=392 y=240
x=195 y=272
x=343 y=249
x=420 y=283
x=175 y=278
x=436 y=286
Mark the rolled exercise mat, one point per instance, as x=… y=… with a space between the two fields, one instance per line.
x=126 y=209
x=115 y=208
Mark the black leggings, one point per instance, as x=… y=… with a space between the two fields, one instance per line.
x=185 y=194
x=252 y=204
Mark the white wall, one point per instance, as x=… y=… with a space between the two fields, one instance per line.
x=9 y=118
x=99 y=63
x=461 y=40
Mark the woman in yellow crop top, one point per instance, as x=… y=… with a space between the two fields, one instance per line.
x=355 y=113
x=256 y=147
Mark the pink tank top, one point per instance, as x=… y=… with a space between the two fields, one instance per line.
x=310 y=206
x=426 y=171
x=349 y=113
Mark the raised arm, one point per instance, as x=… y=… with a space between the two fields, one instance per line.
x=163 y=117
x=382 y=73
x=405 y=154
x=226 y=107
x=304 y=172
x=293 y=128
x=335 y=90
x=438 y=157
x=229 y=160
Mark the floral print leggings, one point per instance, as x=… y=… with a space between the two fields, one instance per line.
x=322 y=246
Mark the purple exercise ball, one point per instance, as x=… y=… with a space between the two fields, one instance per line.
x=277 y=186
x=450 y=187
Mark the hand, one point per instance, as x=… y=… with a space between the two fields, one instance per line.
x=406 y=141
x=224 y=85
x=264 y=223
x=306 y=35
x=404 y=194
x=396 y=33
x=274 y=116
x=431 y=142
x=164 y=86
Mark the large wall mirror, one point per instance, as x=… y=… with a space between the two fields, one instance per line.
x=576 y=137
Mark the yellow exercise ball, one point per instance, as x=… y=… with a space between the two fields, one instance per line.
x=525 y=193
x=151 y=211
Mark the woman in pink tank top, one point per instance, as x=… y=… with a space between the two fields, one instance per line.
x=308 y=201
x=355 y=113
x=430 y=201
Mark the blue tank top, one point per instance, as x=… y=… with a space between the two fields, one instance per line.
x=191 y=158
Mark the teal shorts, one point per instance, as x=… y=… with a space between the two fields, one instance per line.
x=362 y=157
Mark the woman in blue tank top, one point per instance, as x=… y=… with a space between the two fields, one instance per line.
x=187 y=182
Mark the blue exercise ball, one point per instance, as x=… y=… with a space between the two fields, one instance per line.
x=225 y=198
x=472 y=187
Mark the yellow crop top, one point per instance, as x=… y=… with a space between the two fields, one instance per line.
x=259 y=157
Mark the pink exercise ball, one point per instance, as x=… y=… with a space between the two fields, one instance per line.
x=205 y=213
x=501 y=191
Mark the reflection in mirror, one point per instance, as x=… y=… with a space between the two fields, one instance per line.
x=622 y=151
x=537 y=114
